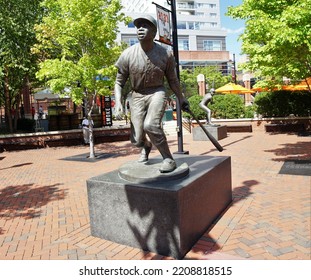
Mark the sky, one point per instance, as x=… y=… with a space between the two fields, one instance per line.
x=233 y=27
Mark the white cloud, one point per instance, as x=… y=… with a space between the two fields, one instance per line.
x=234 y=31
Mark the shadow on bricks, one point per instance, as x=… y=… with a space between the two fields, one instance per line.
x=17 y=165
x=291 y=151
x=25 y=201
x=244 y=191
x=209 y=244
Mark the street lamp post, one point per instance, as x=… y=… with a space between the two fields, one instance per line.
x=176 y=54
x=234 y=71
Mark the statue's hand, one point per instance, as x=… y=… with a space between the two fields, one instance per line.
x=184 y=103
x=118 y=109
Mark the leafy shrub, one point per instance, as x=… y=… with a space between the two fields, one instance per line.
x=227 y=106
x=249 y=111
x=194 y=102
x=283 y=103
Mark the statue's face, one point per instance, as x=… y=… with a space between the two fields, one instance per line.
x=145 y=31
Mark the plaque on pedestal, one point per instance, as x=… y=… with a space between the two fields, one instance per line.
x=219 y=132
x=165 y=216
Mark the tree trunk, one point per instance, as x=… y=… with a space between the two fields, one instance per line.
x=16 y=115
x=7 y=100
x=308 y=85
x=92 y=148
x=91 y=125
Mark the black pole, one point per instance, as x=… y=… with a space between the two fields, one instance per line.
x=175 y=51
x=234 y=70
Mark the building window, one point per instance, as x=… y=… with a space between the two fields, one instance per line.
x=209 y=45
x=200 y=14
x=181 y=25
x=206 y=5
x=207 y=25
x=133 y=41
x=191 y=25
x=202 y=5
x=131 y=25
x=204 y=25
x=183 y=44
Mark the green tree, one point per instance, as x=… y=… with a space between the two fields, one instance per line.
x=17 y=63
x=77 y=45
x=213 y=78
x=277 y=37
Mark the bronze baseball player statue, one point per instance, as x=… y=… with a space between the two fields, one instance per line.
x=146 y=64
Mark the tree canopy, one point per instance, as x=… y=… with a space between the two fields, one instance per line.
x=78 y=50
x=213 y=79
x=77 y=46
x=277 y=37
x=17 y=19
x=17 y=63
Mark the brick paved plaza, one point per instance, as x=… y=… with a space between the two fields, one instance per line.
x=44 y=210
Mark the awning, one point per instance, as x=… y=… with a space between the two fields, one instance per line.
x=233 y=88
x=47 y=94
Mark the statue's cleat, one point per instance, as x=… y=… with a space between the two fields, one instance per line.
x=144 y=156
x=168 y=165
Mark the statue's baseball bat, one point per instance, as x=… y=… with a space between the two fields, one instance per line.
x=210 y=136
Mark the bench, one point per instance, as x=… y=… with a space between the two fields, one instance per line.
x=239 y=128
x=284 y=127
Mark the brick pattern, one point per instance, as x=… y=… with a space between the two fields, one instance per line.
x=44 y=211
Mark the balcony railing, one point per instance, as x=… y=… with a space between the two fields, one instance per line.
x=185 y=6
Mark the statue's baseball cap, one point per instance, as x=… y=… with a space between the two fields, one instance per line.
x=147 y=18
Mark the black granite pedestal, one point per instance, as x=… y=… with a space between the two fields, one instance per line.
x=218 y=132
x=166 y=216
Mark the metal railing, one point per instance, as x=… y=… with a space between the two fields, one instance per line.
x=186 y=124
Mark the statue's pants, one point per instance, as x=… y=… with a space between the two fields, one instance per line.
x=147 y=111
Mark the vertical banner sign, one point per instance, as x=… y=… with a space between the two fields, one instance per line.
x=107 y=112
x=164 y=25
